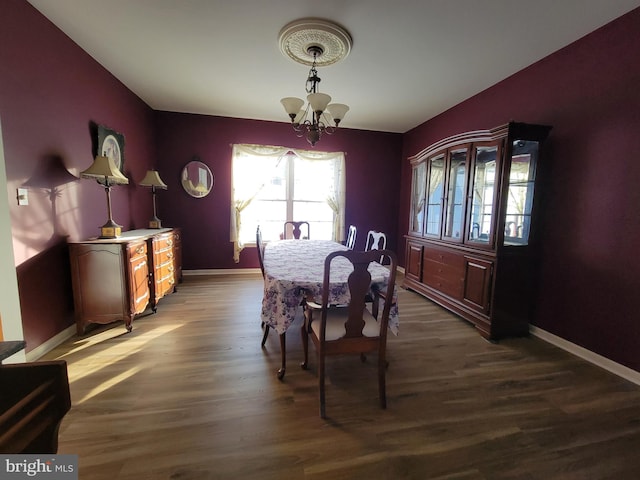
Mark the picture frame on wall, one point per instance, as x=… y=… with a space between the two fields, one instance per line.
x=111 y=144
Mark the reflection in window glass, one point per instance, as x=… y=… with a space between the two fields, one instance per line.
x=435 y=194
x=484 y=179
x=520 y=194
x=455 y=203
x=418 y=200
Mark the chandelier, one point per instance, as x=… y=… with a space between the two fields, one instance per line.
x=314 y=42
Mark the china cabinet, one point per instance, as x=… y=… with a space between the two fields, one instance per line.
x=472 y=227
x=117 y=279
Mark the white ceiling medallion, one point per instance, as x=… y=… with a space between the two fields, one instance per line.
x=299 y=40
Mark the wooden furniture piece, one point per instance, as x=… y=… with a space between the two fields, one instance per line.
x=260 y=250
x=351 y=237
x=296 y=232
x=352 y=328
x=294 y=272
x=470 y=245
x=34 y=398
x=117 y=279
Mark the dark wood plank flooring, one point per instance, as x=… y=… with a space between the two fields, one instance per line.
x=189 y=394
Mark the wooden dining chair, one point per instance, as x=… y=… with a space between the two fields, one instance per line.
x=351 y=237
x=260 y=250
x=351 y=328
x=297 y=231
x=376 y=241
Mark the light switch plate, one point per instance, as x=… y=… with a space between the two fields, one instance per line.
x=23 y=196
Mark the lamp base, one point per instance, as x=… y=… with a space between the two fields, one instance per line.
x=155 y=223
x=110 y=230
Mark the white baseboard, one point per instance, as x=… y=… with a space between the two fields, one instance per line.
x=50 y=344
x=221 y=271
x=598 y=360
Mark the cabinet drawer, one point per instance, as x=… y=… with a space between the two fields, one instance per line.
x=163 y=242
x=165 y=271
x=451 y=286
x=444 y=257
x=431 y=268
x=137 y=250
x=164 y=258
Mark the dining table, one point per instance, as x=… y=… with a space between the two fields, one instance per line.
x=294 y=271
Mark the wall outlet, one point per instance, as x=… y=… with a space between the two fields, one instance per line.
x=23 y=196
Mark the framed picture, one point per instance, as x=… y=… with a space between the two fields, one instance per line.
x=111 y=144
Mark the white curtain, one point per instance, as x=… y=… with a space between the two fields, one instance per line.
x=242 y=193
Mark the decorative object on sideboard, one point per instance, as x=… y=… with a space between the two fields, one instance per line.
x=197 y=179
x=111 y=144
x=104 y=171
x=152 y=179
x=314 y=42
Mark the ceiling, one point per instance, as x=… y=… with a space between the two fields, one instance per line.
x=411 y=59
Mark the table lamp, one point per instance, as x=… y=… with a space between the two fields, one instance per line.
x=105 y=172
x=152 y=179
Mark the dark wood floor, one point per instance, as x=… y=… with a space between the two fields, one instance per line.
x=189 y=394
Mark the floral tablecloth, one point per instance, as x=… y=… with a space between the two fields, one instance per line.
x=292 y=267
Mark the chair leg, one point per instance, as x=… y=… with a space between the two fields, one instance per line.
x=305 y=345
x=266 y=333
x=321 y=384
x=283 y=351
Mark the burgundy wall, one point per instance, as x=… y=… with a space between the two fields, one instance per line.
x=373 y=180
x=590 y=93
x=50 y=92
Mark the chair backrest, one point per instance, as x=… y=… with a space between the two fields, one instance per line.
x=260 y=249
x=359 y=287
x=351 y=237
x=376 y=241
x=296 y=232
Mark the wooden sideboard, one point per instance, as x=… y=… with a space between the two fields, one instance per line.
x=119 y=278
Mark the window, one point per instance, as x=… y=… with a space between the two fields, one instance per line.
x=274 y=184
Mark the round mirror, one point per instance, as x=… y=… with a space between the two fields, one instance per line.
x=197 y=179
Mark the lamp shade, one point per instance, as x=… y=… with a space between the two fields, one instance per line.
x=292 y=105
x=152 y=179
x=337 y=111
x=103 y=168
x=318 y=101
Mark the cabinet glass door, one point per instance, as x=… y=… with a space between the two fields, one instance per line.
x=483 y=194
x=418 y=200
x=435 y=195
x=517 y=223
x=457 y=177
